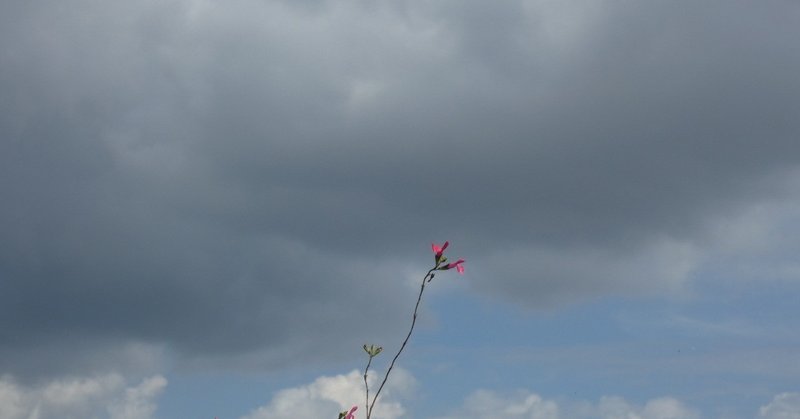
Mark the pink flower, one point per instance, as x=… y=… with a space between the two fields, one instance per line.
x=457 y=265
x=439 y=250
x=350 y=414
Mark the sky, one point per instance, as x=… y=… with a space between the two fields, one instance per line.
x=208 y=207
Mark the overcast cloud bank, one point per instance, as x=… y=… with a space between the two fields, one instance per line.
x=228 y=164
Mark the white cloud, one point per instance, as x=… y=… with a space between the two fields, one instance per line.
x=484 y=404
x=660 y=408
x=783 y=406
x=667 y=408
x=11 y=400
x=328 y=395
x=80 y=398
x=138 y=401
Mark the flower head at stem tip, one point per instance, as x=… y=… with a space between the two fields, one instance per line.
x=439 y=251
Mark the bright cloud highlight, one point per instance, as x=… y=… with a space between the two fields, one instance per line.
x=783 y=406
x=107 y=396
x=334 y=394
x=484 y=404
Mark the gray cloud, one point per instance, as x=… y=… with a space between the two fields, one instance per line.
x=241 y=178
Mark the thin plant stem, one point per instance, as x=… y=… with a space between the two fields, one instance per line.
x=403 y=346
x=366 y=385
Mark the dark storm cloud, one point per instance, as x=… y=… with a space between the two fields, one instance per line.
x=228 y=177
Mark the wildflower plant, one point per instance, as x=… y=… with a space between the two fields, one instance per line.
x=440 y=264
x=348 y=415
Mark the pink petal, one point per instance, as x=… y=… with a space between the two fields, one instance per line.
x=455 y=264
x=439 y=250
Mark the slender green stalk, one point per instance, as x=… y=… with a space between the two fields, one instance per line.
x=371 y=406
x=366 y=385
